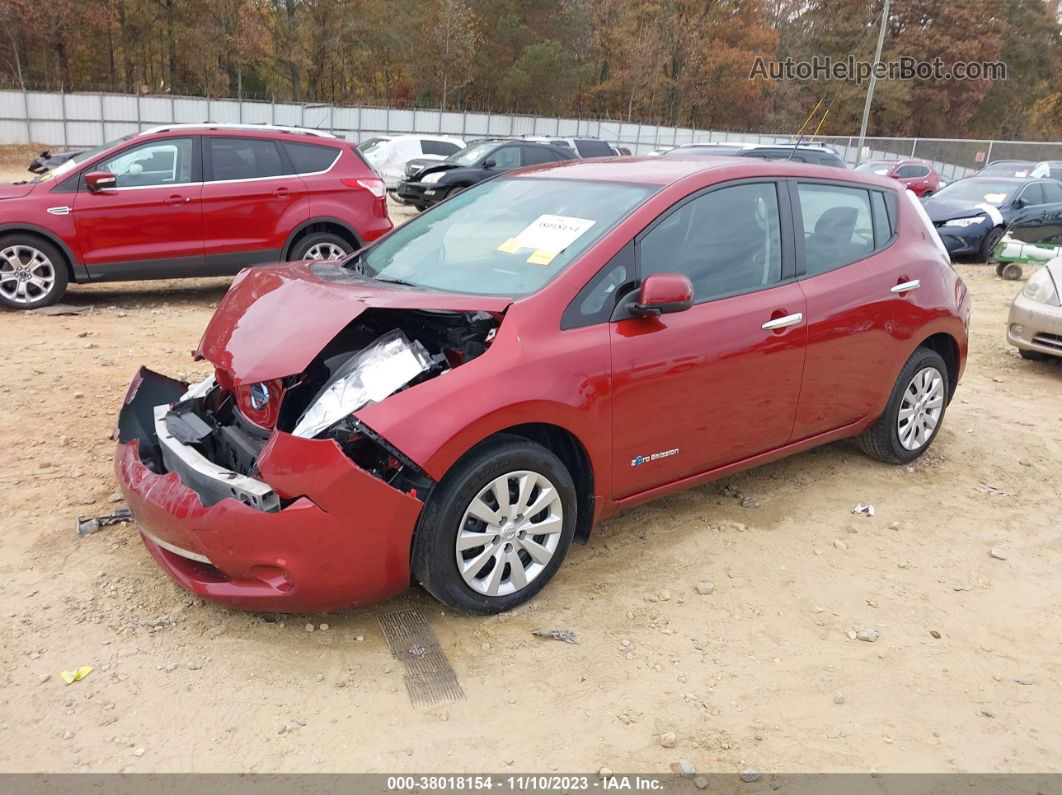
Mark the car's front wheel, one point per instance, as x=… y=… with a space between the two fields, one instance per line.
x=497 y=527
x=32 y=272
x=915 y=410
x=988 y=243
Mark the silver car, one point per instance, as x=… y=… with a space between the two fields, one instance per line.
x=1035 y=323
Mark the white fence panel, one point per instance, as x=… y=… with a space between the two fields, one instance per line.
x=116 y=129
x=157 y=110
x=84 y=133
x=452 y=123
x=83 y=107
x=343 y=119
x=44 y=106
x=13 y=132
x=478 y=125
x=189 y=111
x=257 y=113
x=118 y=107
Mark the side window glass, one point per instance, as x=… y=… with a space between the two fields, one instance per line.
x=726 y=241
x=1033 y=194
x=1052 y=192
x=905 y=172
x=919 y=171
x=166 y=162
x=443 y=148
x=533 y=155
x=243 y=158
x=837 y=226
x=882 y=223
x=597 y=300
x=310 y=158
x=506 y=157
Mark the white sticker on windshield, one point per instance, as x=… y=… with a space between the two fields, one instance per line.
x=551 y=234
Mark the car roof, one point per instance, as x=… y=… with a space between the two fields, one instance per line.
x=224 y=127
x=665 y=171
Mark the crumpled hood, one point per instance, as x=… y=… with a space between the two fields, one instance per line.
x=274 y=320
x=947 y=209
x=15 y=191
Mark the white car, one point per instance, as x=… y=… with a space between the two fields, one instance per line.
x=389 y=154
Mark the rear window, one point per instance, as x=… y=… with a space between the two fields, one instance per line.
x=444 y=148
x=588 y=147
x=308 y=158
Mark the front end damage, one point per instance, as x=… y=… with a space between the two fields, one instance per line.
x=273 y=495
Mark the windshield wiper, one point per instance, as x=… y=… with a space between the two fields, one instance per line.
x=402 y=282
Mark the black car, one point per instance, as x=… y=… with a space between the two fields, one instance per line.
x=473 y=164
x=971 y=215
x=1007 y=168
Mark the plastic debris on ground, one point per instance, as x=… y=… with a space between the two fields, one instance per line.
x=77 y=675
x=86 y=526
x=866 y=510
x=565 y=635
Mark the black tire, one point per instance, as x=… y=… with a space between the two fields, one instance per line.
x=434 y=556
x=421 y=207
x=882 y=439
x=1033 y=356
x=321 y=240
x=1012 y=271
x=988 y=243
x=999 y=269
x=25 y=248
x=927 y=194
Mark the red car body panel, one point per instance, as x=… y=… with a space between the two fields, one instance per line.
x=198 y=228
x=708 y=381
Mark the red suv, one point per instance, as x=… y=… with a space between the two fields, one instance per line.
x=918 y=176
x=457 y=402
x=186 y=200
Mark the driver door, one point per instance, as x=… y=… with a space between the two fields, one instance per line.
x=719 y=382
x=149 y=224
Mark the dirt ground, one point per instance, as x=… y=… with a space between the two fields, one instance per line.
x=965 y=675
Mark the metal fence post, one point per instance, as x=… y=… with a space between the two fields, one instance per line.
x=62 y=105
x=208 y=108
x=988 y=154
x=103 y=122
x=29 y=124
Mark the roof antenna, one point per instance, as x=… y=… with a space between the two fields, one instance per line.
x=800 y=132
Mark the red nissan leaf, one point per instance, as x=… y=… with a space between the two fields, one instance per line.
x=459 y=401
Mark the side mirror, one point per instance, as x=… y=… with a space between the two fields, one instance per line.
x=96 y=181
x=491 y=163
x=663 y=293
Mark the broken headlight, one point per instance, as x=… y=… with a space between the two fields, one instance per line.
x=375 y=372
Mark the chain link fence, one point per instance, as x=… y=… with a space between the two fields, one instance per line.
x=84 y=119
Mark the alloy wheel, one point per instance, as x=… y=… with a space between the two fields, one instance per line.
x=26 y=274
x=322 y=251
x=920 y=408
x=509 y=533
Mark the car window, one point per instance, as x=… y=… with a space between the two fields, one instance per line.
x=588 y=147
x=533 y=155
x=726 y=241
x=881 y=169
x=1033 y=194
x=1052 y=192
x=166 y=162
x=838 y=228
x=506 y=157
x=310 y=158
x=444 y=148
x=243 y=158
x=918 y=171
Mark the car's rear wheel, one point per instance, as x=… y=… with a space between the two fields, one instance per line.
x=497 y=527
x=321 y=246
x=988 y=243
x=915 y=410
x=32 y=272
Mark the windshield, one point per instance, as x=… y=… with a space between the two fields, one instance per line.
x=69 y=165
x=501 y=237
x=881 y=169
x=988 y=191
x=470 y=154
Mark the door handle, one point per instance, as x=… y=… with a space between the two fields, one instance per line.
x=906 y=287
x=177 y=199
x=783 y=322
x=282 y=193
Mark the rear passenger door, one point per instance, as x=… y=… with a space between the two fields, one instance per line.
x=252 y=201
x=844 y=232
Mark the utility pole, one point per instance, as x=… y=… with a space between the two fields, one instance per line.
x=873 y=80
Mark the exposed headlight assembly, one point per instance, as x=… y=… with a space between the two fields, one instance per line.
x=966 y=221
x=1041 y=288
x=375 y=372
x=432 y=178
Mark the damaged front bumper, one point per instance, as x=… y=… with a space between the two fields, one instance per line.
x=315 y=532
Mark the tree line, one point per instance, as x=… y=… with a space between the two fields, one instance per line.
x=673 y=62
